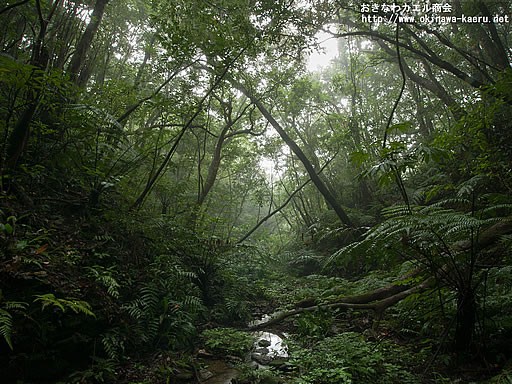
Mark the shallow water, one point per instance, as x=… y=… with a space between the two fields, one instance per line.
x=222 y=372
x=277 y=348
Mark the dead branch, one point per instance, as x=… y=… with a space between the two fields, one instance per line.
x=378 y=301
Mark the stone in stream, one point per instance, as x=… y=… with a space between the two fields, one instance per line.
x=222 y=373
x=271 y=344
x=263 y=351
x=205 y=374
x=260 y=358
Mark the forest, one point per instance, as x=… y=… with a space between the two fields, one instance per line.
x=188 y=196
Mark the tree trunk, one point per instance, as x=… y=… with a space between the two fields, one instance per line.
x=77 y=61
x=465 y=319
x=19 y=137
x=213 y=169
x=322 y=188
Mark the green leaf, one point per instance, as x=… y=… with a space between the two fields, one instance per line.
x=8 y=229
x=403 y=127
x=359 y=158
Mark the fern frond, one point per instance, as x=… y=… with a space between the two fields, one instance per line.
x=396 y=211
x=451 y=202
x=185 y=274
x=103 y=237
x=496 y=209
x=192 y=301
x=152 y=328
x=6 y=326
x=77 y=306
x=104 y=276
x=506 y=240
x=134 y=309
x=149 y=297
x=20 y=305
x=428 y=230
x=80 y=306
x=113 y=343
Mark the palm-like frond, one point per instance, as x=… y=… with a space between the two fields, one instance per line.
x=430 y=230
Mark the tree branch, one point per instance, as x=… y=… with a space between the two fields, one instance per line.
x=378 y=301
x=434 y=59
x=9 y=7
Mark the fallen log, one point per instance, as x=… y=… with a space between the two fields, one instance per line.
x=378 y=301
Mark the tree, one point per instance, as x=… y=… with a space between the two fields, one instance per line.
x=77 y=65
x=300 y=154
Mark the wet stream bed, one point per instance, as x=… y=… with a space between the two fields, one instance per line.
x=269 y=350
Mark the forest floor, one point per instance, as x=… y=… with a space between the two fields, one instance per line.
x=327 y=347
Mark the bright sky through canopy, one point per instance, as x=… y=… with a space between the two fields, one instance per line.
x=320 y=59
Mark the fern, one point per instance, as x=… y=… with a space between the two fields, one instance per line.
x=192 y=301
x=497 y=209
x=113 y=343
x=104 y=276
x=6 y=322
x=103 y=238
x=77 y=306
x=158 y=316
x=6 y=326
x=506 y=241
x=150 y=297
x=469 y=187
x=428 y=229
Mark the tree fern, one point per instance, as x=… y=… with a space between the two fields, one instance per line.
x=432 y=230
x=470 y=186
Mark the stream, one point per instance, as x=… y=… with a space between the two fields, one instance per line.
x=269 y=347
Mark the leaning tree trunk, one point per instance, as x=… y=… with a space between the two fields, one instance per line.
x=313 y=174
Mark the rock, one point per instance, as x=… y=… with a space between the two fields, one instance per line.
x=264 y=343
x=234 y=359
x=278 y=361
x=184 y=376
x=205 y=374
x=263 y=351
x=203 y=353
x=260 y=358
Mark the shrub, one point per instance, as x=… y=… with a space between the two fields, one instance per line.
x=228 y=341
x=348 y=358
